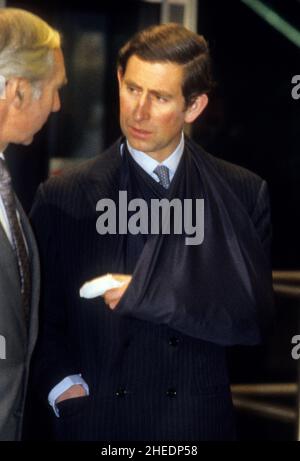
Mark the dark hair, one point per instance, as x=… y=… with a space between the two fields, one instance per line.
x=173 y=43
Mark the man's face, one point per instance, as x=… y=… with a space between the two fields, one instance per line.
x=34 y=113
x=152 y=106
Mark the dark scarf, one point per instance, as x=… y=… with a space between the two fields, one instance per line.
x=219 y=291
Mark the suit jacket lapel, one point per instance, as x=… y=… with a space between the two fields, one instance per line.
x=8 y=257
x=35 y=276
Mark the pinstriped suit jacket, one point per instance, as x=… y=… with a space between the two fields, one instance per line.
x=147 y=381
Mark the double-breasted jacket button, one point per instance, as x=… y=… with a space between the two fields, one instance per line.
x=18 y=413
x=121 y=392
x=171 y=392
x=173 y=341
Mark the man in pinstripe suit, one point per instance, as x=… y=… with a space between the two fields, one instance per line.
x=147 y=362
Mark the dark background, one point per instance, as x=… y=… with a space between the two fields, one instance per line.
x=252 y=120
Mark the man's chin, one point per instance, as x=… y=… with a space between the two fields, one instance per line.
x=139 y=144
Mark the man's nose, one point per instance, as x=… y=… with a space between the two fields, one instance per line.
x=142 y=109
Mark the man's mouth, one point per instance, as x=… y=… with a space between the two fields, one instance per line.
x=138 y=133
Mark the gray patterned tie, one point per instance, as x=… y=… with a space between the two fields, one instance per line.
x=8 y=197
x=162 y=172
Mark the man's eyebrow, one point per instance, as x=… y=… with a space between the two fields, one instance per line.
x=157 y=92
x=132 y=83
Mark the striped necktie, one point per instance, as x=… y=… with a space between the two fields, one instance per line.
x=162 y=172
x=18 y=243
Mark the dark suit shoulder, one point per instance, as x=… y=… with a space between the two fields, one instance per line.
x=245 y=184
x=234 y=173
x=63 y=188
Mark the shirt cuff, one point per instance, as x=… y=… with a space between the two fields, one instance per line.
x=63 y=386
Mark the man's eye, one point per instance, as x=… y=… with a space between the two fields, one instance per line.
x=132 y=89
x=161 y=98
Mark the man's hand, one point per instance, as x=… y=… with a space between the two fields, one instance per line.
x=113 y=296
x=73 y=392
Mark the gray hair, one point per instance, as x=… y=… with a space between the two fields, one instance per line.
x=26 y=46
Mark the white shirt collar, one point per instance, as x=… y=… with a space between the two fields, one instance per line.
x=2 y=156
x=149 y=164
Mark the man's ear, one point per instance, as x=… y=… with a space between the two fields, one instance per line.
x=120 y=76
x=196 y=108
x=18 y=93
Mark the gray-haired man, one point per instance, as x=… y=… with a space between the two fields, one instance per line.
x=32 y=71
